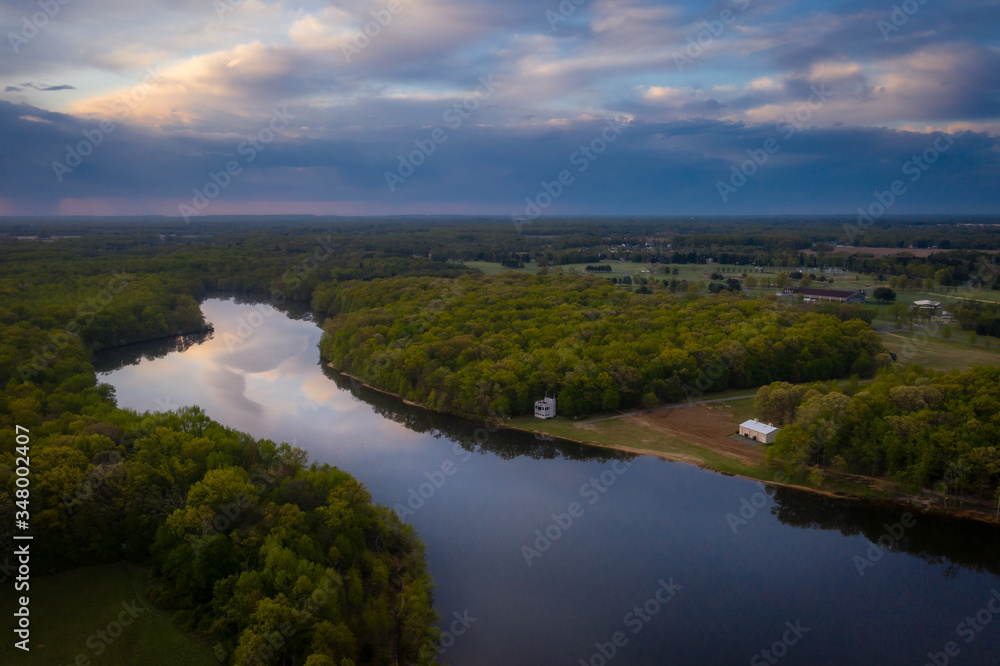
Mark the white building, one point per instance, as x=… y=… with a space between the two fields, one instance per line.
x=755 y=430
x=545 y=408
x=926 y=305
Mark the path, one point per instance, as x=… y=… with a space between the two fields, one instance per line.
x=677 y=405
x=962 y=298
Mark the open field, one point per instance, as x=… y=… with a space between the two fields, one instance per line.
x=935 y=352
x=888 y=251
x=708 y=426
x=69 y=608
x=959 y=295
x=697 y=434
x=660 y=433
x=618 y=268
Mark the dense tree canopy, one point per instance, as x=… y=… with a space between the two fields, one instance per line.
x=478 y=344
x=918 y=427
x=274 y=561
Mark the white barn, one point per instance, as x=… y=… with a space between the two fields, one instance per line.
x=545 y=408
x=757 y=431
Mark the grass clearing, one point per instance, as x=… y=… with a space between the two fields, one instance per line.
x=70 y=607
x=675 y=434
x=742 y=409
x=630 y=434
x=941 y=354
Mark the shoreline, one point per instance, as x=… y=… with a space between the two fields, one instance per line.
x=904 y=501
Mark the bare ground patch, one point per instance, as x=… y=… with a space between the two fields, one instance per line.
x=705 y=425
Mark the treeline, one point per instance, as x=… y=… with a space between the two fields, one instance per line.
x=983 y=318
x=428 y=245
x=920 y=428
x=481 y=344
x=270 y=560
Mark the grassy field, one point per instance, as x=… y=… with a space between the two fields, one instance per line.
x=742 y=409
x=69 y=608
x=940 y=354
x=618 y=268
x=630 y=434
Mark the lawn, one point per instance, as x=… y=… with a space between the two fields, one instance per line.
x=69 y=608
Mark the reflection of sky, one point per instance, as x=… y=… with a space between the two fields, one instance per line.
x=262 y=378
x=657 y=520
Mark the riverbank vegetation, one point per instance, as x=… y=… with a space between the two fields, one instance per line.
x=494 y=344
x=261 y=556
x=919 y=428
x=243 y=538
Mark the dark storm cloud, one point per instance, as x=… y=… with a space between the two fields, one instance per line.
x=656 y=167
x=219 y=79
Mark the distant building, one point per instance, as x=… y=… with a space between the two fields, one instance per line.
x=926 y=305
x=545 y=408
x=837 y=295
x=755 y=430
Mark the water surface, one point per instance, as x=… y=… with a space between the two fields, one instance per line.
x=728 y=588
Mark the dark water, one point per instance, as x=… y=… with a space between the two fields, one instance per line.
x=650 y=559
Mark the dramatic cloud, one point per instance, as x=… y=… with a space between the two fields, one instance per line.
x=396 y=106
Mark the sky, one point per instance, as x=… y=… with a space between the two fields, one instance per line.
x=519 y=107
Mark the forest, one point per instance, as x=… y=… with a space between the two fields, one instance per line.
x=920 y=428
x=245 y=538
x=478 y=345
x=267 y=558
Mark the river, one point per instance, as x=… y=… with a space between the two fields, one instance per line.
x=549 y=552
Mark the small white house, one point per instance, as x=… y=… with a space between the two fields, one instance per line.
x=545 y=408
x=755 y=430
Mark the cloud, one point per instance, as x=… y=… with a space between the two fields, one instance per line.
x=218 y=80
x=653 y=168
x=39 y=86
